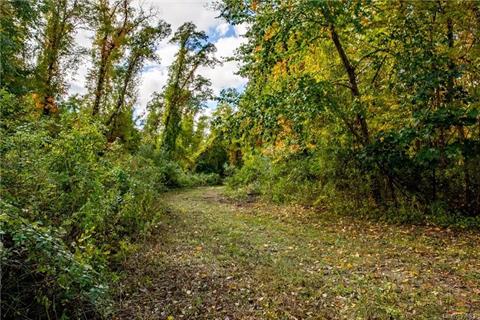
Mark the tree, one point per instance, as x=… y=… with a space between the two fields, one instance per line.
x=17 y=21
x=436 y=85
x=185 y=92
x=281 y=31
x=141 y=46
x=56 y=45
x=113 y=23
x=222 y=147
x=386 y=87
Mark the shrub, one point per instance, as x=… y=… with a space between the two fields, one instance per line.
x=40 y=275
x=70 y=203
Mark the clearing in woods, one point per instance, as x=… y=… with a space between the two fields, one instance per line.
x=214 y=258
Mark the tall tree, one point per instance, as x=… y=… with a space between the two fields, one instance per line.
x=437 y=86
x=113 y=23
x=280 y=31
x=56 y=44
x=185 y=91
x=392 y=84
x=141 y=46
x=18 y=20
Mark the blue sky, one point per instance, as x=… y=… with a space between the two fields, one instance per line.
x=225 y=37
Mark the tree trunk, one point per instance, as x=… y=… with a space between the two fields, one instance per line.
x=170 y=132
x=364 y=133
x=352 y=79
x=123 y=92
x=101 y=76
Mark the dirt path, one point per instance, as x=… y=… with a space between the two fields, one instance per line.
x=211 y=258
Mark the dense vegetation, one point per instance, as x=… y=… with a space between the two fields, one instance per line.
x=356 y=106
x=361 y=103
x=80 y=179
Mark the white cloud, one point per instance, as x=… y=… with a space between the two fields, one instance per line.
x=166 y=51
x=155 y=75
x=223 y=76
x=222 y=29
x=241 y=29
x=77 y=74
x=226 y=46
x=176 y=12
x=78 y=78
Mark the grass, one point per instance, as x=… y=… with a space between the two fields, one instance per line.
x=213 y=258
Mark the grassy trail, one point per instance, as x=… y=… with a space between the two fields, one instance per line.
x=212 y=258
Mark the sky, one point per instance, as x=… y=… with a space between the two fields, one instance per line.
x=154 y=75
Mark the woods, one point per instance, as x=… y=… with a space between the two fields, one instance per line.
x=80 y=178
x=382 y=97
x=363 y=109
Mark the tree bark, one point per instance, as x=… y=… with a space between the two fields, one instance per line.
x=101 y=76
x=123 y=92
x=352 y=78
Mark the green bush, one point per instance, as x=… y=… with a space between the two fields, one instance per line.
x=302 y=179
x=171 y=174
x=73 y=205
x=321 y=180
x=70 y=203
x=41 y=276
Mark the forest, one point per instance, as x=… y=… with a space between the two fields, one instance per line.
x=342 y=181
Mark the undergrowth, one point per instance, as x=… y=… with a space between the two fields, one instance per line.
x=72 y=207
x=307 y=181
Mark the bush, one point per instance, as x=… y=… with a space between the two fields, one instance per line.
x=171 y=174
x=70 y=203
x=322 y=180
x=40 y=275
x=301 y=179
x=72 y=206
